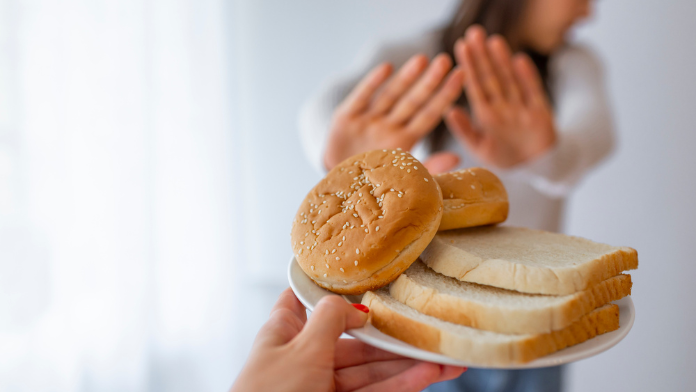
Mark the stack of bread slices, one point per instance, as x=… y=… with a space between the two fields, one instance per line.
x=436 y=271
x=497 y=296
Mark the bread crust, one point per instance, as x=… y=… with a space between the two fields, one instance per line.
x=458 y=263
x=366 y=221
x=472 y=197
x=508 y=319
x=517 y=349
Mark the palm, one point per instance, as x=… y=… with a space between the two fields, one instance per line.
x=394 y=113
x=511 y=120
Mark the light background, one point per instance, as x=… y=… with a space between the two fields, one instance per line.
x=150 y=167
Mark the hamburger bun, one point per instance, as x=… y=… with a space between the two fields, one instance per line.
x=472 y=197
x=366 y=222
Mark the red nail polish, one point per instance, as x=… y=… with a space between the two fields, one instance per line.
x=361 y=308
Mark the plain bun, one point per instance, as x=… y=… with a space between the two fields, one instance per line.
x=367 y=221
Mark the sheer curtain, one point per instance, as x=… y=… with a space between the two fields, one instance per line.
x=119 y=242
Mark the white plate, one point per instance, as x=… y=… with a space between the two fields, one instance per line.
x=309 y=294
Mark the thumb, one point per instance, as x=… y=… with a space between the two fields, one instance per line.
x=331 y=317
x=441 y=162
x=459 y=124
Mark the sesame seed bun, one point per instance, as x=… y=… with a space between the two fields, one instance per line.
x=367 y=221
x=472 y=197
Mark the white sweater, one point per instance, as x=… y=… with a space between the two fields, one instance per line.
x=536 y=189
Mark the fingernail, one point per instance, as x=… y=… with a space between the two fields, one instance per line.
x=361 y=308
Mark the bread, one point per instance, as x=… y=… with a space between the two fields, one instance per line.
x=483 y=348
x=530 y=261
x=366 y=221
x=472 y=197
x=500 y=310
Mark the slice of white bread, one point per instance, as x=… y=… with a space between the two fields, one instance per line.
x=479 y=347
x=500 y=310
x=526 y=260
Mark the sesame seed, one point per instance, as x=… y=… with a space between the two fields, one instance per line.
x=355 y=178
x=359 y=194
x=327 y=266
x=355 y=215
x=398 y=149
x=301 y=242
x=384 y=150
x=344 y=281
x=393 y=152
x=408 y=171
x=325 y=275
x=327 y=251
x=472 y=173
x=380 y=217
x=357 y=251
x=342 y=270
x=313 y=222
x=356 y=263
x=400 y=195
x=306 y=234
x=344 y=238
x=415 y=167
x=333 y=251
x=377 y=228
x=392 y=189
x=426 y=180
x=300 y=252
x=403 y=153
x=338 y=258
x=312 y=267
x=473 y=187
x=366 y=231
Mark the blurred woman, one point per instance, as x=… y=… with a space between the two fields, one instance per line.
x=533 y=109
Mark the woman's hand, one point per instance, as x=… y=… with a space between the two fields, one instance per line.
x=293 y=354
x=512 y=118
x=395 y=113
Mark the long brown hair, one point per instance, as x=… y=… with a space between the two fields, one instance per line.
x=497 y=17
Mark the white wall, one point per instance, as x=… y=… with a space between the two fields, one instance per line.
x=641 y=198
x=644 y=196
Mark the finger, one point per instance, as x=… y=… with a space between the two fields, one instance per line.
x=399 y=84
x=353 y=352
x=359 y=99
x=289 y=301
x=441 y=162
x=416 y=378
x=528 y=75
x=473 y=88
x=330 y=318
x=451 y=372
x=352 y=378
x=481 y=62
x=500 y=53
x=459 y=124
x=419 y=93
x=282 y=326
x=427 y=118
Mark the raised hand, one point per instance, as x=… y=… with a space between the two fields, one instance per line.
x=293 y=354
x=383 y=112
x=512 y=120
